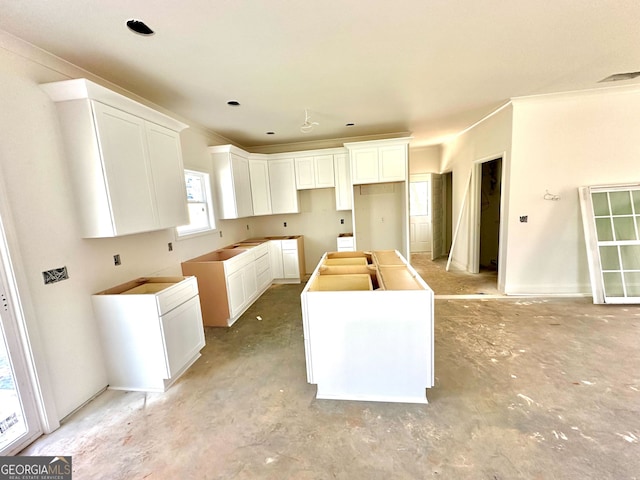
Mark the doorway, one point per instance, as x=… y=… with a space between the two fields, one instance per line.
x=488 y=216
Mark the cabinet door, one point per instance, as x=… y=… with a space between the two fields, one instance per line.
x=275 y=256
x=250 y=281
x=323 y=171
x=183 y=334
x=123 y=146
x=282 y=182
x=364 y=165
x=260 y=192
x=235 y=292
x=343 y=182
x=392 y=163
x=290 y=264
x=242 y=185
x=165 y=157
x=305 y=173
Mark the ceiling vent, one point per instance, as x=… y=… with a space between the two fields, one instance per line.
x=616 y=77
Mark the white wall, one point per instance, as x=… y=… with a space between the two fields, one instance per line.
x=318 y=221
x=425 y=159
x=562 y=142
x=380 y=216
x=44 y=234
x=488 y=139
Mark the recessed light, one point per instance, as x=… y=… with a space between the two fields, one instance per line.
x=233 y=103
x=350 y=125
x=271 y=133
x=139 y=27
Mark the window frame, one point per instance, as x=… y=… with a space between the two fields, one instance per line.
x=183 y=232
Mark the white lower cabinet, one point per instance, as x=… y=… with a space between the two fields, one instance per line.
x=230 y=280
x=345 y=243
x=368 y=336
x=151 y=331
x=290 y=264
x=287 y=259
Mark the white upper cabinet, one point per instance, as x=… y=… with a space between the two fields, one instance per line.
x=125 y=160
x=379 y=161
x=282 y=181
x=314 y=172
x=260 y=189
x=344 y=189
x=232 y=180
x=168 y=175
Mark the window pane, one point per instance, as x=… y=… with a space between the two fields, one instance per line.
x=609 y=258
x=630 y=257
x=198 y=216
x=620 y=203
x=195 y=189
x=603 y=226
x=613 y=284
x=624 y=228
x=600 y=204
x=636 y=201
x=199 y=203
x=632 y=280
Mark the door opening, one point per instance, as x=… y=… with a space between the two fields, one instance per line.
x=489 y=231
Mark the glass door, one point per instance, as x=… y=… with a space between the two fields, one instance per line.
x=611 y=218
x=19 y=418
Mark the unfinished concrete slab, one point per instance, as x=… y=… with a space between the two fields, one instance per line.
x=533 y=388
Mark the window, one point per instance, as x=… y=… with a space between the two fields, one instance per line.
x=201 y=218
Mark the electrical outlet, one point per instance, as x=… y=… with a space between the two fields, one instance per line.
x=116 y=260
x=170 y=246
x=247 y=227
x=220 y=233
x=342 y=221
x=285 y=224
x=524 y=218
x=55 y=275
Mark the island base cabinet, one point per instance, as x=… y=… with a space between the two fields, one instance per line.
x=369 y=346
x=372 y=340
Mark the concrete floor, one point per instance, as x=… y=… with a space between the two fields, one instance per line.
x=525 y=389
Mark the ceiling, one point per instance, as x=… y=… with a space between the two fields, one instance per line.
x=428 y=67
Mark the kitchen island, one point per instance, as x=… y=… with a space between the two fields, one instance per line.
x=368 y=328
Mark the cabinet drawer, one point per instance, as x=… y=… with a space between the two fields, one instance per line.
x=345 y=244
x=263 y=263
x=236 y=263
x=289 y=244
x=171 y=297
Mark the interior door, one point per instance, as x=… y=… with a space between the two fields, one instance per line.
x=419 y=213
